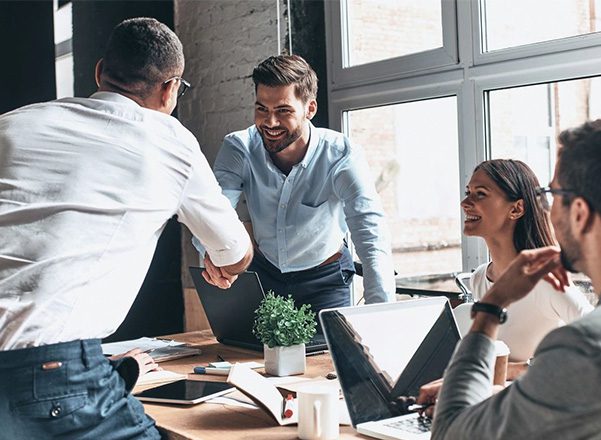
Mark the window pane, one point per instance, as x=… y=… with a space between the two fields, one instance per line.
x=413 y=154
x=510 y=23
x=525 y=121
x=64 y=76
x=382 y=29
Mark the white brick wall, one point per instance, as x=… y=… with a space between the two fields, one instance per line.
x=223 y=40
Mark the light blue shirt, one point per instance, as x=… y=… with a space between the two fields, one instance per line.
x=301 y=219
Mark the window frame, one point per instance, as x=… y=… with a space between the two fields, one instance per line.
x=470 y=79
x=481 y=57
x=341 y=76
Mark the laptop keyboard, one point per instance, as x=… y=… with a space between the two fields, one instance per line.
x=415 y=425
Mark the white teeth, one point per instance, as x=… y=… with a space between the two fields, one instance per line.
x=472 y=217
x=274 y=133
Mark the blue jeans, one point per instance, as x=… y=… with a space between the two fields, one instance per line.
x=69 y=391
x=322 y=287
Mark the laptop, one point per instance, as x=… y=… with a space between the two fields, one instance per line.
x=231 y=312
x=382 y=352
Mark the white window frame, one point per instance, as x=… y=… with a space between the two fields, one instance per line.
x=342 y=76
x=527 y=50
x=466 y=73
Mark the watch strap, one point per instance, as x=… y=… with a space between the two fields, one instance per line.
x=491 y=309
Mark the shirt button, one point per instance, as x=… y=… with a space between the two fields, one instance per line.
x=283 y=205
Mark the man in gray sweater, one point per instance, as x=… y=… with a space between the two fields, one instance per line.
x=559 y=396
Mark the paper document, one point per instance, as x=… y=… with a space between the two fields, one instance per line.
x=264 y=392
x=162 y=376
x=159 y=349
x=260 y=390
x=143 y=344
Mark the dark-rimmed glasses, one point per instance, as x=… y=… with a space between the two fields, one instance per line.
x=183 y=85
x=545 y=194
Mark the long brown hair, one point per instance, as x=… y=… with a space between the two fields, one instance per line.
x=518 y=181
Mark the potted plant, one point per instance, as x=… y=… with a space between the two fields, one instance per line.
x=283 y=329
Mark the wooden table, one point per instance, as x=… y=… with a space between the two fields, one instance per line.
x=215 y=421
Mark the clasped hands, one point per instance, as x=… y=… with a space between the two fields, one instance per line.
x=217 y=276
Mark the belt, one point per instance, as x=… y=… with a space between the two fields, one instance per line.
x=331 y=259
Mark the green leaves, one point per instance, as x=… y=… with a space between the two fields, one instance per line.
x=279 y=323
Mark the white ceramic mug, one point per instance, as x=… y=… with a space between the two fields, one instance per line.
x=318 y=413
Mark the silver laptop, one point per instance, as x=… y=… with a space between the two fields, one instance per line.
x=384 y=353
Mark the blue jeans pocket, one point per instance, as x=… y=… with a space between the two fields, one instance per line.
x=52 y=408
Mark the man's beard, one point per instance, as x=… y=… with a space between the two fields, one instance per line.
x=570 y=252
x=274 y=147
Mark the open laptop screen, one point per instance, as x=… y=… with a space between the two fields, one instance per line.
x=384 y=351
x=231 y=312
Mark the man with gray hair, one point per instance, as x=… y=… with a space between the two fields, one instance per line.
x=86 y=188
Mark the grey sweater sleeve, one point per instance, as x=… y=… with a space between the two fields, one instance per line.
x=557 y=398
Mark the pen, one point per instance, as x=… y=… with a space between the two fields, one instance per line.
x=219 y=358
x=289 y=406
x=212 y=370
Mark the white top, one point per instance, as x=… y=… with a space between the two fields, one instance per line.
x=86 y=187
x=535 y=315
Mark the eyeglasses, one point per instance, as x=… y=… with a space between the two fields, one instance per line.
x=183 y=85
x=546 y=193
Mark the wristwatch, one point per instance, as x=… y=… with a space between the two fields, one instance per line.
x=492 y=309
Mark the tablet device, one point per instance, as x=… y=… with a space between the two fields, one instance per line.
x=185 y=392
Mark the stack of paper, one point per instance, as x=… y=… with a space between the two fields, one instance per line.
x=159 y=349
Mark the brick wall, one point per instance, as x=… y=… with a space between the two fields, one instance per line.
x=223 y=40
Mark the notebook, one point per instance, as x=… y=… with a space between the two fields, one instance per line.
x=231 y=312
x=385 y=351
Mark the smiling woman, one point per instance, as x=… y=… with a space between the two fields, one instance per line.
x=502 y=207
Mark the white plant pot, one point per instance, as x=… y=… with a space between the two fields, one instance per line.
x=285 y=361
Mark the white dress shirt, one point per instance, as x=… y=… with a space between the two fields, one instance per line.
x=86 y=187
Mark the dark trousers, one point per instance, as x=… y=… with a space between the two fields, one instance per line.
x=322 y=286
x=68 y=391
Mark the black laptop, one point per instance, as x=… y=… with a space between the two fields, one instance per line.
x=231 y=312
x=383 y=354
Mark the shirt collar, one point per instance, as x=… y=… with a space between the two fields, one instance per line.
x=114 y=97
x=313 y=141
x=311 y=149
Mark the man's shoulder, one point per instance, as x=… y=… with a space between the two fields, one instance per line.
x=245 y=139
x=331 y=137
x=335 y=144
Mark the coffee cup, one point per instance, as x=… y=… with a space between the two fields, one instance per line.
x=318 y=413
x=500 y=374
